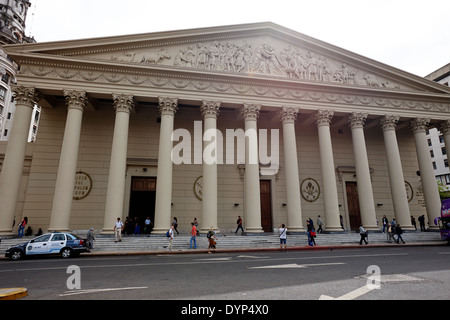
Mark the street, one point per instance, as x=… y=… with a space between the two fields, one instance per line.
x=415 y=273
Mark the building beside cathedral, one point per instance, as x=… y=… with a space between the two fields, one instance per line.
x=251 y=120
x=12 y=31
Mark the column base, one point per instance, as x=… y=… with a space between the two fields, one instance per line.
x=253 y=231
x=371 y=228
x=7 y=233
x=107 y=232
x=333 y=229
x=160 y=231
x=58 y=230
x=292 y=230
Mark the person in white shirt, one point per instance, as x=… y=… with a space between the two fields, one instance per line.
x=171 y=234
x=282 y=229
x=118 y=230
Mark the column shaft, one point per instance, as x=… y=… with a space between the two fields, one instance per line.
x=396 y=178
x=118 y=165
x=252 y=193
x=330 y=194
x=429 y=184
x=365 y=192
x=11 y=174
x=163 y=207
x=210 y=111
x=294 y=210
x=65 y=180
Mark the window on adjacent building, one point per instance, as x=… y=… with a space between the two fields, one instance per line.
x=432 y=153
x=434 y=165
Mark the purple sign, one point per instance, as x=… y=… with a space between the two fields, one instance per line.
x=445 y=208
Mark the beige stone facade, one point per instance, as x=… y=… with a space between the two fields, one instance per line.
x=347 y=126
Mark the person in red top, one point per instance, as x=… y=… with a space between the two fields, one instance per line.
x=193 y=236
x=22 y=226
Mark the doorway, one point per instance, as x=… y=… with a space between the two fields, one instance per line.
x=354 y=212
x=142 y=200
x=266 y=205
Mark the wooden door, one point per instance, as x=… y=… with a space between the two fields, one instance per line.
x=266 y=206
x=353 y=205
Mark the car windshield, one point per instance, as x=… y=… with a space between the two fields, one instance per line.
x=72 y=237
x=43 y=238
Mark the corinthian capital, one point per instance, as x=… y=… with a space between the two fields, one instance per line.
x=389 y=122
x=24 y=96
x=76 y=99
x=357 y=120
x=444 y=126
x=289 y=114
x=324 y=117
x=419 y=125
x=123 y=103
x=210 y=109
x=250 y=111
x=168 y=106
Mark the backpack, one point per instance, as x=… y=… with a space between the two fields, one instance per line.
x=209 y=235
x=168 y=234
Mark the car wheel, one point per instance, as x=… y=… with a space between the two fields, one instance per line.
x=16 y=255
x=66 y=253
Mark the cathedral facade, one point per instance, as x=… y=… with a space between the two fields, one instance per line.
x=252 y=120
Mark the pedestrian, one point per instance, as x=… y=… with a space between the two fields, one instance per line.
x=22 y=225
x=319 y=223
x=175 y=224
x=413 y=222
x=390 y=233
x=399 y=232
x=170 y=238
x=196 y=226
x=239 y=223
x=211 y=235
x=422 y=222
x=385 y=222
x=90 y=238
x=137 y=226
x=147 y=225
x=193 y=236
x=128 y=229
x=283 y=237
x=311 y=233
x=29 y=232
x=118 y=230
x=363 y=234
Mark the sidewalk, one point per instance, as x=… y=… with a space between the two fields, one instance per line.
x=231 y=242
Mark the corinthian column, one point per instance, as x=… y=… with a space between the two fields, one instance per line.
x=65 y=180
x=123 y=105
x=365 y=193
x=163 y=207
x=11 y=174
x=252 y=193
x=396 y=178
x=429 y=184
x=330 y=195
x=294 y=210
x=210 y=112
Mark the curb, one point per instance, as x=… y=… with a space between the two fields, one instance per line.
x=262 y=249
x=13 y=293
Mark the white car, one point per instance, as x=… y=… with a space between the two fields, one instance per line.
x=65 y=244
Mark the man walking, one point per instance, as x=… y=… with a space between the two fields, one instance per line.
x=193 y=236
x=319 y=223
x=239 y=223
x=171 y=235
x=118 y=230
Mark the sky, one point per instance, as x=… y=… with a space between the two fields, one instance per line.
x=411 y=35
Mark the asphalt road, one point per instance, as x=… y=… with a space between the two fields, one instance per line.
x=417 y=273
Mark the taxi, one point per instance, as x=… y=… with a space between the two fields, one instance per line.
x=65 y=244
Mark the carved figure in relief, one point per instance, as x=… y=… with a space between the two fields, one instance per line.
x=155 y=57
x=371 y=80
x=202 y=56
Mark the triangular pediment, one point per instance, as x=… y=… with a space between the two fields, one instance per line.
x=230 y=55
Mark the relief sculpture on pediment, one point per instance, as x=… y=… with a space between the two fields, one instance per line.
x=259 y=57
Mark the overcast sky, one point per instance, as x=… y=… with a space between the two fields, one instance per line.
x=412 y=35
